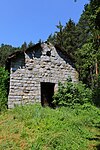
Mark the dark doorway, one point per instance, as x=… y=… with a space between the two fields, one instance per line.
x=47 y=92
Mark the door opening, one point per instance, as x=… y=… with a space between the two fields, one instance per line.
x=47 y=92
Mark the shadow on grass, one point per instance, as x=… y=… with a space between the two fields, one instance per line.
x=97 y=138
x=97 y=147
x=94 y=139
x=97 y=126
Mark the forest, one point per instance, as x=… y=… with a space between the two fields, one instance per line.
x=81 y=42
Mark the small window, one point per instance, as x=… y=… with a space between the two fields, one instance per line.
x=48 y=53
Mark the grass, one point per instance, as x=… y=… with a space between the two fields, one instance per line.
x=32 y=127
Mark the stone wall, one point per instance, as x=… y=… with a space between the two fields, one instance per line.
x=45 y=64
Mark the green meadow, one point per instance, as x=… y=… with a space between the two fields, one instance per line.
x=32 y=127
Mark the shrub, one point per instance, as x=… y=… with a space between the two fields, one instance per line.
x=3 y=88
x=70 y=93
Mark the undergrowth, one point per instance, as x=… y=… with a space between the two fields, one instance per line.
x=32 y=127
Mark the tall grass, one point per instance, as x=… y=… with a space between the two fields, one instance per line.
x=32 y=127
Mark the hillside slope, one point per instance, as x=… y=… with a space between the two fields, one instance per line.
x=32 y=127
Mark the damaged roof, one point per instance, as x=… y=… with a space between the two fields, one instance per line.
x=34 y=47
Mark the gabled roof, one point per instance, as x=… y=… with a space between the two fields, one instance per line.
x=34 y=47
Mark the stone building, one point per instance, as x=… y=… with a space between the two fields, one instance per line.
x=35 y=73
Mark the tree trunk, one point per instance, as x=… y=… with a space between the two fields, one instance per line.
x=97 y=69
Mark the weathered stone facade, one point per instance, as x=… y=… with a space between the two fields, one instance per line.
x=43 y=63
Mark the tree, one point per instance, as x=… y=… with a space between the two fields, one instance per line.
x=85 y=63
x=70 y=39
x=3 y=88
x=82 y=28
x=24 y=46
x=88 y=54
x=65 y=38
x=30 y=44
x=5 y=51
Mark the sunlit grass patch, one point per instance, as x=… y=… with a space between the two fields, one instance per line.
x=33 y=127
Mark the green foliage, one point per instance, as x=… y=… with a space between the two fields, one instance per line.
x=24 y=46
x=5 y=51
x=3 y=88
x=70 y=94
x=65 y=37
x=96 y=91
x=82 y=42
x=36 y=128
x=85 y=63
x=30 y=44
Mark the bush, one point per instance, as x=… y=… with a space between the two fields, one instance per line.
x=3 y=88
x=70 y=94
